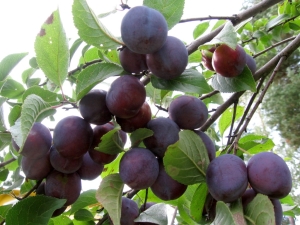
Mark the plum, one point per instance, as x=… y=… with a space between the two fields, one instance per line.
x=140 y=120
x=229 y=62
x=126 y=96
x=89 y=169
x=188 y=112
x=209 y=144
x=132 y=62
x=165 y=133
x=93 y=109
x=138 y=168
x=144 y=30
x=226 y=178
x=72 y=137
x=165 y=187
x=170 y=61
x=62 y=164
x=38 y=142
x=63 y=186
x=269 y=174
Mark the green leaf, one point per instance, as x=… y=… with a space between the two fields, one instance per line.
x=90 y=29
x=156 y=214
x=13 y=165
x=226 y=118
x=47 y=96
x=27 y=74
x=8 y=63
x=35 y=210
x=184 y=205
x=256 y=143
x=112 y=167
x=111 y=142
x=12 y=89
x=172 y=10
x=60 y=220
x=198 y=202
x=93 y=75
x=139 y=135
x=109 y=195
x=195 y=57
x=200 y=29
x=85 y=199
x=260 y=211
x=236 y=209
x=14 y=114
x=5 y=140
x=33 y=63
x=242 y=82
x=227 y=36
x=186 y=161
x=4 y=209
x=83 y=215
x=27 y=186
x=3 y=174
x=52 y=51
x=189 y=81
x=74 y=47
x=274 y=22
x=33 y=107
x=223 y=216
x=2 y=119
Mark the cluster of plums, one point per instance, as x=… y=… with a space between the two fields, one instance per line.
x=148 y=47
x=228 y=178
x=226 y=61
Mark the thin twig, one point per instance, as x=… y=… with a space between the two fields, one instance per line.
x=232 y=122
x=209 y=95
x=284 y=22
x=70 y=73
x=274 y=45
x=7 y=162
x=231 y=18
x=260 y=98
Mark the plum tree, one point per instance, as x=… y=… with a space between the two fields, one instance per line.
x=144 y=30
x=269 y=174
x=38 y=141
x=93 y=109
x=170 y=61
x=146 y=68
x=63 y=186
x=165 y=133
x=226 y=178
x=138 y=168
x=125 y=96
x=63 y=164
x=132 y=62
x=140 y=120
x=229 y=62
x=72 y=137
x=165 y=187
x=89 y=169
x=188 y=112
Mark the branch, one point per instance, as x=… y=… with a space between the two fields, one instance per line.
x=259 y=101
x=263 y=71
x=70 y=73
x=7 y=162
x=231 y=18
x=260 y=7
x=274 y=45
